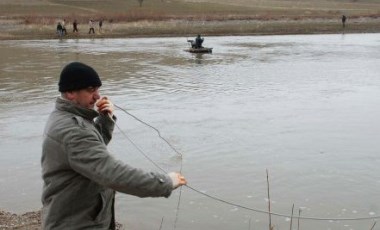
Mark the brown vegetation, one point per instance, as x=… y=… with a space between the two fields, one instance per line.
x=37 y=19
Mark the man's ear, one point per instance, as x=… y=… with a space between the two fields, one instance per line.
x=70 y=95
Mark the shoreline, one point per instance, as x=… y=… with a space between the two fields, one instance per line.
x=28 y=221
x=18 y=30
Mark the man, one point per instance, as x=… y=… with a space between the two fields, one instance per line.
x=91 y=26
x=80 y=176
x=199 y=41
x=344 y=18
x=64 y=31
x=59 y=29
x=75 y=26
x=100 y=25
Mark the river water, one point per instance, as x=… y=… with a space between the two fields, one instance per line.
x=306 y=108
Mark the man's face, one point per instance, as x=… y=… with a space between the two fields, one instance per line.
x=85 y=97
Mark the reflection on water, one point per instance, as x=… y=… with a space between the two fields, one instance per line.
x=304 y=107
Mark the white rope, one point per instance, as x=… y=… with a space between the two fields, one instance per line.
x=223 y=200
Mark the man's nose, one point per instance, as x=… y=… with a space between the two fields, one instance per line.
x=97 y=95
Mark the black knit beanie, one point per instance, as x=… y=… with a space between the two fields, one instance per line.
x=76 y=76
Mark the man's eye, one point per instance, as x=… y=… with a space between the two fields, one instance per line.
x=91 y=89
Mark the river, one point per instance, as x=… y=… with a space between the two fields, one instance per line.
x=306 y=108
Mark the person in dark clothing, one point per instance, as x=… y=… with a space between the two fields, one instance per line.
x=198 y=42
x=100 y=25
x=344 y=18
x=59 y=29
x=75 y=26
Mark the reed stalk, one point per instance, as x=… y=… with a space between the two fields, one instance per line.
x=373 y=225
x=291 y=218
x=299 y=215
x=162 y=221
x=269 y=211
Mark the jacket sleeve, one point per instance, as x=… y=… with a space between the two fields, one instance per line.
x=105 y=125
x=88 y=156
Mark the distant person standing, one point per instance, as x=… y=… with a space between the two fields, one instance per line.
x=64 y=32
x=344 y=19
x=110 y=24
x=100 y=25
x=91 y=25
x=75 y=26
x=59 y=29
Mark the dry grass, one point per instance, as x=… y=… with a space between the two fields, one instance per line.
x=186 y=8
x=186 y=28
x=25 y=19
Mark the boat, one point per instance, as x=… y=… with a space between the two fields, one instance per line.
x=199 y=50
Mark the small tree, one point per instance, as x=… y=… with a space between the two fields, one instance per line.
x=140 y=2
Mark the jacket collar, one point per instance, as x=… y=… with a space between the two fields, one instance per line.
x=68 y=106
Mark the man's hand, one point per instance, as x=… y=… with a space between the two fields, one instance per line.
x=105 y=106
x=177 y=179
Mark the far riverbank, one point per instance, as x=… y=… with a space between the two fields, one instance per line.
x=19 y=30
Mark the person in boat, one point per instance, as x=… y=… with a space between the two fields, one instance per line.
x=198 y=42
x=80 y=176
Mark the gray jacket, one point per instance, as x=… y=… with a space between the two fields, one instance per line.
x=80 y=176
